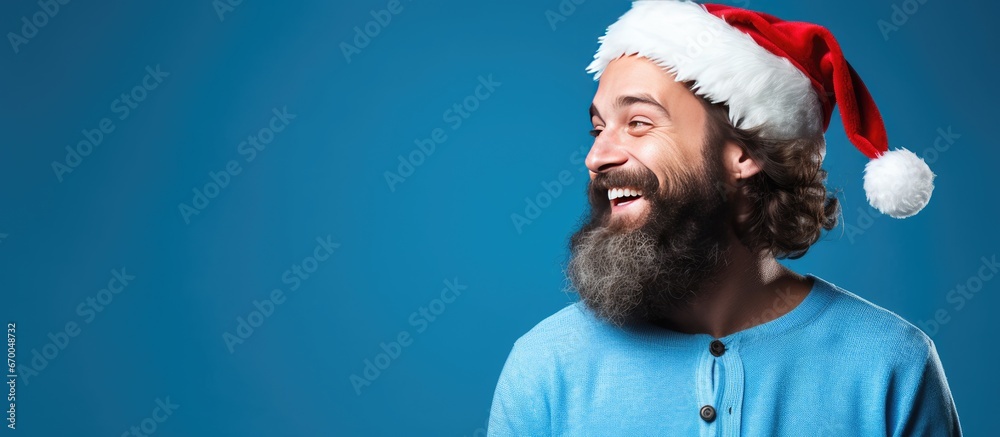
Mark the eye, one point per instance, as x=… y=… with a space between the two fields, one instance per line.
x=639 y=125
x=595 y=132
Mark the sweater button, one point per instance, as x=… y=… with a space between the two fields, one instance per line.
x=717 y=348
x=708 y=413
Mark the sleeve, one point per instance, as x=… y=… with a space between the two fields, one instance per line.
x=924 y=406
x=520 y=406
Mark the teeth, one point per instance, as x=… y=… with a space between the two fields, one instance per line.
x=616 y=193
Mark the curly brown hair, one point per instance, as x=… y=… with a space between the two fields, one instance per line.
x=791 y=203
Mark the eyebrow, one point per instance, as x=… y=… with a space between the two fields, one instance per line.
x=624 y=101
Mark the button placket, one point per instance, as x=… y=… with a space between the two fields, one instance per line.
x=707 y=413
x=717 y=348
x=730 y=407
x=712 y=386
x=709 y=383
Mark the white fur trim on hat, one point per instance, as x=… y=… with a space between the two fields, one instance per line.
x=727 y=65
x=898 y=183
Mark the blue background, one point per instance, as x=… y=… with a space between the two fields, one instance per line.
x=324 y=175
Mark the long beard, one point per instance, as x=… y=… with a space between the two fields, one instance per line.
x=643 y=274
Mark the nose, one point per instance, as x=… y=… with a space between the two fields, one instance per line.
x=606 y=153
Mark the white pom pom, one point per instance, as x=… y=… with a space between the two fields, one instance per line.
x=898 y=183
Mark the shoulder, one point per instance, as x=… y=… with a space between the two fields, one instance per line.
x=564 y=329
x=918 y=399
x=558 y=337
x=532 y=379
x=867 y=325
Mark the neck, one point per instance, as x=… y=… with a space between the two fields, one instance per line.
x=750 y=290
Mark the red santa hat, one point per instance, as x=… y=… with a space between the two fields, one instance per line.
x=780 y=76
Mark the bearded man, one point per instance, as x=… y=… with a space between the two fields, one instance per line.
x=705 y=170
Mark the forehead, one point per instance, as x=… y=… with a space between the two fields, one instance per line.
x=634 y=75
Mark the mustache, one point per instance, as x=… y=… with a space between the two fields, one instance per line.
x=638 y=177
x=641 y=178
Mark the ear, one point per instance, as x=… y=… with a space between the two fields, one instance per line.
x=737 y=162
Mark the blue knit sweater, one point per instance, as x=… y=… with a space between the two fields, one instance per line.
x=835 y=365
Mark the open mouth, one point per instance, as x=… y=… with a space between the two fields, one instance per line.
x=621 y=197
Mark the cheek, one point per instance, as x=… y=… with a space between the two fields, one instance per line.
x=671 y=162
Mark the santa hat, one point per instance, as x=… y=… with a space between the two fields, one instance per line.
x=780 y=76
